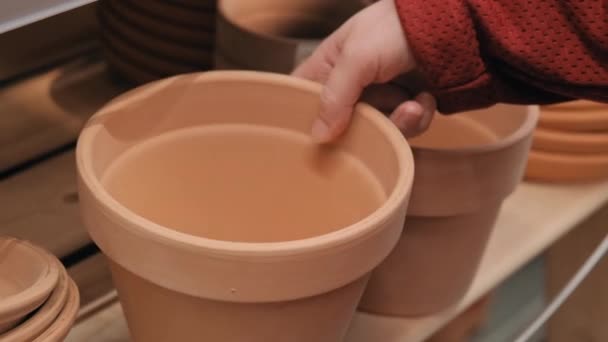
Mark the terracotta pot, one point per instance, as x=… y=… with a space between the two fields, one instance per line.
x=592 y=118
x=566 y=167
x=291 y=230
x=175 y=52
x=276 y=35
x=162 y=28
x=222 y=63
x=197 y=4
x=60 y=328
x=27 y=277
x=44 y=316
x=551 y=140
x=179 y=15
x=466 y=165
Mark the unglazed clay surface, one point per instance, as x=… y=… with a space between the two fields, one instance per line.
x=243 y=183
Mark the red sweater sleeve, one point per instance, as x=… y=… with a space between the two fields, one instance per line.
x=476 y=53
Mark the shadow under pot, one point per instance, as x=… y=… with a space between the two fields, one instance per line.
x=466 y=165
x=276 y=35
x=224 y=221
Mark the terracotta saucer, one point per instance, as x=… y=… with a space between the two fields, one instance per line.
x=170 y=12
x=28 y=275
x=551 y=140
x=595 y=119
x=40 y=320
x=564 y=167
x=577 y=105
x=161 y=28
x=64 y=322
x=174 y=51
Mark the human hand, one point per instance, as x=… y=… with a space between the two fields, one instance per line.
x=357 y=62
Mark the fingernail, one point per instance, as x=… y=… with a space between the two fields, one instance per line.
x=320 y=131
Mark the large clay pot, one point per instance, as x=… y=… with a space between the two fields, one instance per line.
x=28 y=275
x=276 y=35
x=222 y=219
x=466 y=165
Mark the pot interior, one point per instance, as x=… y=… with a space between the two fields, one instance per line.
x=20 y=268
x=232 y=160
x=299 y=20
x=472 y=129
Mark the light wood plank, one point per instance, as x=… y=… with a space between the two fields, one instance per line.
x=41 y=205
x=48 y=110
x=584 y=315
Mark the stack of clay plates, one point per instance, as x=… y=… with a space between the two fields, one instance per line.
x=145 y=40
x=38 y=300
x=570 y=143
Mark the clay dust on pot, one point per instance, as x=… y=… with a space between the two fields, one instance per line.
x=224 y=221
x=28 y=275
x=276 y=35
x=466 y=164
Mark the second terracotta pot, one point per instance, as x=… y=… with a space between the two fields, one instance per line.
x=276 y=35
x=466 y=164
x=224 y=221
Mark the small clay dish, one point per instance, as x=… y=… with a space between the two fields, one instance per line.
x=162 y=28
x=566 y=167
x=590 y=119
x=176 y=14
x=27 y=277
x=40 y=320
x=552 y=140
x=64 y=322
x=162 y=47
x=578 y=105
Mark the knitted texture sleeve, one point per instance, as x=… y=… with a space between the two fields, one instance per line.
x=476 y=53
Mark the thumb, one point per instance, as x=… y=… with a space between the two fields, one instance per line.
x=345 y=84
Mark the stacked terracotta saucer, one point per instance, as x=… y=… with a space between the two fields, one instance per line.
x=570 y=143
x=38 y=300
x=145 y=40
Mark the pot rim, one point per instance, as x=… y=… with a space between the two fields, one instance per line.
x=39 y=291
x=522 y=132
x=142 y=226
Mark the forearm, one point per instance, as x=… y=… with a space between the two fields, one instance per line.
x=476 y=53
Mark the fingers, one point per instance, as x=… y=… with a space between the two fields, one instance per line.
x=385 y=97
x=414 y=117
x=346 y=81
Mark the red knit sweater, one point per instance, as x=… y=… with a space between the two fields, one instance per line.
x=479 y=52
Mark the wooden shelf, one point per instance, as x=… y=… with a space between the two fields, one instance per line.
x=532 y=219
